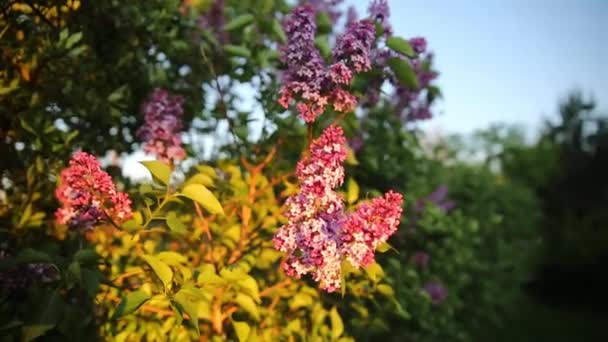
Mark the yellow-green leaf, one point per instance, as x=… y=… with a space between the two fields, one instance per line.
x=200 y=178
x=337 y=327
x=190 y=307
x=351 y=159
x=374 y=271
x=159 y=170
x=202 y=195
x=352 y=191
x=175 y=224
x=250 y=287
x=386 y=290
x=162 y=270
x=247 y=304
x=242 y=330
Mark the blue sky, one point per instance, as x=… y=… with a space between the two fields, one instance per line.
x=510 y=60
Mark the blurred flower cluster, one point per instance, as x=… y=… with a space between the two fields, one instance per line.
x=88 y=195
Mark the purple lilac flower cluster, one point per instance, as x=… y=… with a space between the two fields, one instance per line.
x=308 y=81
x=162 y=126
x=438 y=198
x=436 y=291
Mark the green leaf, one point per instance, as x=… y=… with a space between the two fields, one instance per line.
x=247 y=303
x=401 y=46
x=277 y=29
x=242 y=330
x=11 y=325
x=32 y=332
x=74 y=270
x=117 y=94
x=175 y=224
x=237 y=50
x=404 y=72
x=324 y=23
x=202 y=195
x=162 y=270
x=189 y=307
x=130 y=303
x=63 y=35
x=433 y=93
x=27 y=126
x=46 y=315
x=322 y=43
x=73 y=39
x=159 y=170
x=352 y=191
x=337 y=327
x=29 y=256
x=238 y=22
x=85 y=256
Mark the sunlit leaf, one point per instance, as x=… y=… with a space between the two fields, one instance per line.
x=337 y=327
x=247 y=303
x=352 y=191
x=159 y=170
x=162 y=270
x=175 y=224
x=190 y=307
x=242 y=330
x=202 y=195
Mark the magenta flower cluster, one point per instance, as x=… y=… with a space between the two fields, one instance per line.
x=88 y=195
x=308 y=81
x=162 y=126
x=319 y=234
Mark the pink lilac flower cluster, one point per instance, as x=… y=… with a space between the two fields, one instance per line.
x=162 y=126
x=308 y=80
x=88 y=195
x=319 y=235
